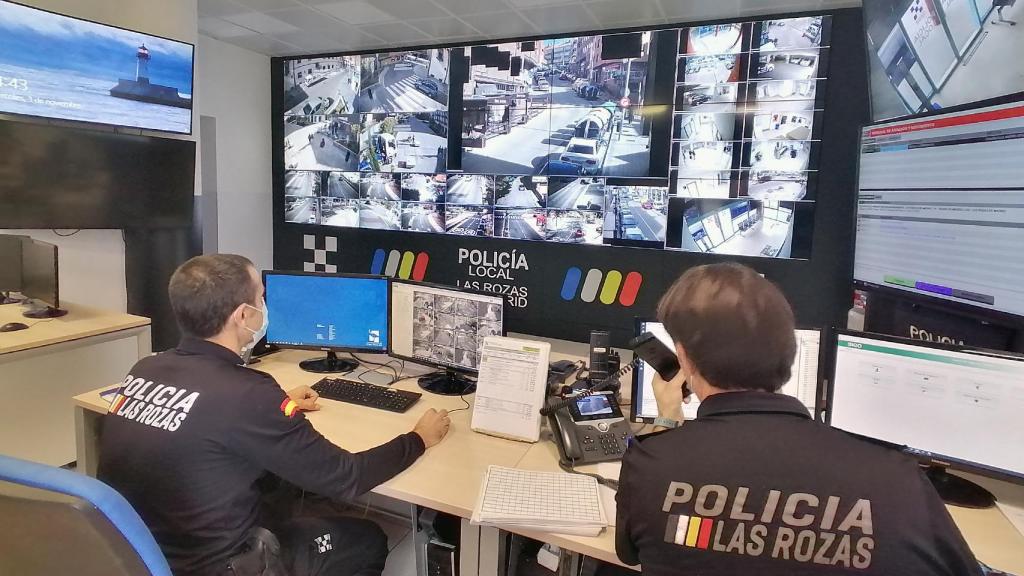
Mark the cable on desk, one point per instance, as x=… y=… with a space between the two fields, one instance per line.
x=396 y=372
x=608 y=482
x=464 y=401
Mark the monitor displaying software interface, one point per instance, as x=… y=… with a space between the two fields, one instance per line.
x=320 y=311
x=442 y=327
x=941 y=207
x=953 y=406
x=803 y=384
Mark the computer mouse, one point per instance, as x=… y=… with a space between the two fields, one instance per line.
x=13 y=327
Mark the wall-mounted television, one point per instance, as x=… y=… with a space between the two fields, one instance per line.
x=55 y=66
x=57 y=177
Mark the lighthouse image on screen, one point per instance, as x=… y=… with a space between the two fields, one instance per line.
x=56 y=66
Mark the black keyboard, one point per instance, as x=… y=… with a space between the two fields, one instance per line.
x=364 y=394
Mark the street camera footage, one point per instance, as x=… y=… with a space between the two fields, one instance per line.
x=557 y=135
x=55 y=66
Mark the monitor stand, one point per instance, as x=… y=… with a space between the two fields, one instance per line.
x=44 y=313
x=957 y=490
x=329 y=364
x=447 y=383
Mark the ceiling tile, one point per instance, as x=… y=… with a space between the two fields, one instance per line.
x=409 y=10
x=311 y=43
x=463 y=7
x=694 y=10
x=395 y=32
x=311 y=21
x=356 y=12
x=560 y=18
x=446 y=27
x=264 y=44
x=531 y=3
x=221 y=28
x=261 y=23
x=218 y=8
x=500 y=24
x=266 y=5
x=618 y=12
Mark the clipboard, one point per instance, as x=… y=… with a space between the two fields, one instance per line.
x=510 y=388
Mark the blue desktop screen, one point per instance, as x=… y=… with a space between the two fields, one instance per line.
x=327 y=311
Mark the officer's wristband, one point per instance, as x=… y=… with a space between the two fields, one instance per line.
x=662 y=422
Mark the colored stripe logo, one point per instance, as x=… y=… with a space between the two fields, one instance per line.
x=396 y=264
x=116 y=403
x=605 y=287
x=690 y=531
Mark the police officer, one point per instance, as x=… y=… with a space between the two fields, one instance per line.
x=192 y=431
x=753 y=485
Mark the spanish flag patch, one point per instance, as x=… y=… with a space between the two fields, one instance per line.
x=289 y=408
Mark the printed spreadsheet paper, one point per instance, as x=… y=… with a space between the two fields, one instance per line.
x=544 y=501
x=510 y=388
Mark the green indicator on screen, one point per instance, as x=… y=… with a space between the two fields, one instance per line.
x=899 y=281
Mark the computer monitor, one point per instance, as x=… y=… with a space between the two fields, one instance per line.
x=443 y=327
x=10 y=266
x=803 y=383
x=330 y=312
x=949 y=406
x=940 y=209
x=39 y=279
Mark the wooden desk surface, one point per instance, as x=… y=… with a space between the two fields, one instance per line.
x=80 y=322
x=448 y=477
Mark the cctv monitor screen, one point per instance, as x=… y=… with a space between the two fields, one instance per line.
x=938 y=402
x=55 y=66
x=803 y=382
x=443 y=327
x=940 y=207
x=927 y=55
x=328 y=312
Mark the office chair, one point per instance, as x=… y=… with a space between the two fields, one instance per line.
x=60 y=522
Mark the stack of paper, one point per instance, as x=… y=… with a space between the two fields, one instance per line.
x=543 y=501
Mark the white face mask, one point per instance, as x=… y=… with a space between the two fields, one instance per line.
x=258 y=335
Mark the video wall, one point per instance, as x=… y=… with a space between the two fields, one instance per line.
x=564 y=140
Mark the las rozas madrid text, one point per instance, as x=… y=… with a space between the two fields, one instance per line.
x=494 y=271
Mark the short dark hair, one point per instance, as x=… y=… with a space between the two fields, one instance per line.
x=736 y=326
x=205 y=291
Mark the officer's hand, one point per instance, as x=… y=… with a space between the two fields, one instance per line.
x=669 y=396
x=305 y=397
x=433 y=426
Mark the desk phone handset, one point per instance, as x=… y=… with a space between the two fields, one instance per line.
x=589 y=427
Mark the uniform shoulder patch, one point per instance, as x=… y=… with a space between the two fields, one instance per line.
x=289 y=408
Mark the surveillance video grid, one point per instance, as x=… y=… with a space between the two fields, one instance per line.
x=556 y=147
x=450 y=330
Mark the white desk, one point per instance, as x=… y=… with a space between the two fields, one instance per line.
x=42 y=367
x=448 y=477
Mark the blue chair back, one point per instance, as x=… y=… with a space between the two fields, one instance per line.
x=55 y=521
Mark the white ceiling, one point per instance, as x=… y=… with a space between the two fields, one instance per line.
x=290 y=27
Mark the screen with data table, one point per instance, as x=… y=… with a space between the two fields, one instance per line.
x=940 y=207
x=938 y=403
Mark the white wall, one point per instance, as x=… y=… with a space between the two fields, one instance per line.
x=92 y=261
x=233 y=86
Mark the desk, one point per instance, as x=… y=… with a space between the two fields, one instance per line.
x=448 y=478
x=43 y=366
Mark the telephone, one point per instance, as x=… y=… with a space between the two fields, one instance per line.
x=590 y=429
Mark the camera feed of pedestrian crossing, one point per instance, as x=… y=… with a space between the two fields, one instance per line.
x=556 y=139
x=565 y=106
x=746 y=126
x=449 y=330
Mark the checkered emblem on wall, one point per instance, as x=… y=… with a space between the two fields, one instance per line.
x=321 y=250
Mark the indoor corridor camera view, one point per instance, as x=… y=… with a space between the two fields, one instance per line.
x=739 y=227
x=565 y=110
x=932 y=55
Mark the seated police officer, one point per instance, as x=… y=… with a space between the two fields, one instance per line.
x=193 y=430
x=753 y=485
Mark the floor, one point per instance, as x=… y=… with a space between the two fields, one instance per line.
x=991 y=70
x=752 y=242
